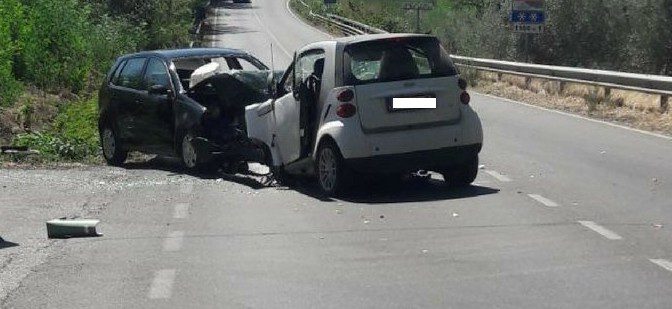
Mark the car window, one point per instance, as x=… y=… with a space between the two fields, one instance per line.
x=115 y=76
x=305 y=65
x=156 y=74
x=396 y=59
x=131 y=74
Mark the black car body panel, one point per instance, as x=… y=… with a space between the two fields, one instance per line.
x=147 y=99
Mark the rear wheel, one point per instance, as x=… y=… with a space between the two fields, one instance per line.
x=462 y=175
x=113 y=150
x=333 y=175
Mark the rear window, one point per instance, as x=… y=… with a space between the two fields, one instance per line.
x=396 y=59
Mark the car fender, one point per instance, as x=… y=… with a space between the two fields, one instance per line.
x=188 y=115
x=349 y=139
x=472 y=129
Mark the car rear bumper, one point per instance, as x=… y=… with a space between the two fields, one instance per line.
x=435 y=159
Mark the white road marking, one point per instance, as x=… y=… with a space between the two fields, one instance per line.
x=181 y=211
x=580 y=117
x=284 y=50
x=667 y=265
x=162 y=285
x=601 y=230
x=498 y=176
x=173 y=242
x=187 y=188
x=543 y=200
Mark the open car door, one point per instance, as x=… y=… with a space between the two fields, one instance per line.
x=286 y=112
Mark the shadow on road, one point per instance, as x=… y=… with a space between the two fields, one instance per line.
x=385 y=192
x=174 y=166
x=7 y=244
x=223 y=29
x=232 y=6
x=370 y=191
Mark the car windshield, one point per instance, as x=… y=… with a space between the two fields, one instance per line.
x=396 y=59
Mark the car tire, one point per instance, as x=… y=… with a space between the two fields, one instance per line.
x=113 y=150
x=462 y=175
x=333 y=175
x=191 y=157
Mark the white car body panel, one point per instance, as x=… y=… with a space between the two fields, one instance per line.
x=384 y=133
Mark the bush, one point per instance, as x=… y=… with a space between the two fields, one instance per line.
x=10 y=88
x=72 y=137
x=55 y=52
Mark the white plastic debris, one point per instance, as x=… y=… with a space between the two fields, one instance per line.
x=366 y=221
x=480 y=167
x=424 y=251
x=455 y=215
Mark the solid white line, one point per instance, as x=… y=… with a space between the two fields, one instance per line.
x=669 y=138
x=162 y=285
x=303 y=22
x=667 y=265
x=273 y=36
x=181 y=210
x=498 y=176
x=173 y=242
x=601 y=230
x=543 y=200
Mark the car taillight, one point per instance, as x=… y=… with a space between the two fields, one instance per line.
x=346 y=95
x=462 y=83
x=346 y=110
x=465 y=98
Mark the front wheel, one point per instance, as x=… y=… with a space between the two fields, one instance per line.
x=331 y=170
x=462 y=175
x=192 y=157
x=113 y=151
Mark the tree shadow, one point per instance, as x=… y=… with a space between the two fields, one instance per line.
x=229 y=5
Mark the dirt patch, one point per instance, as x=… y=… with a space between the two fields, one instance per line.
x=633 y=109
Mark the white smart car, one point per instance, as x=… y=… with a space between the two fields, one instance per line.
x=383 y=104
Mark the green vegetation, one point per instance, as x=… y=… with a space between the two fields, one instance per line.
x=623 y=35
x=63 y=49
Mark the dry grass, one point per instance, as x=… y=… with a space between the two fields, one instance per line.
x=634 y=109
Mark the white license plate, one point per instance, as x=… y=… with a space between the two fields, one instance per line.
x=413 y=103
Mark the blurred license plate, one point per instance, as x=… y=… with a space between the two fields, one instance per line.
x=419 y=102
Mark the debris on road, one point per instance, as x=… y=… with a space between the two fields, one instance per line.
x=424 y=251
x=481 y=167
x=455 y=215
x=68 y=228
x=382 y=216
x=657 y=226
x=366 y=221
x=17 y=150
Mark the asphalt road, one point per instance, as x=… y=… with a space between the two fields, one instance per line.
x=566 y=213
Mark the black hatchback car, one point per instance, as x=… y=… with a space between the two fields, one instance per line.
x=184 y=102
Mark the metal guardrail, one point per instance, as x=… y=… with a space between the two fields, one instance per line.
x=645 y=83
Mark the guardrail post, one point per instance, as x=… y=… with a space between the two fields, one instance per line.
x=664 y=103
x=528 y=81
x=499 y=77
x=562 y=87
x=607 y=92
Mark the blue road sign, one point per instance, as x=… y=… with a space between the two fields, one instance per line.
x=528 y=17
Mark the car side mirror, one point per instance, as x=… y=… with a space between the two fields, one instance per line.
x=159 y=90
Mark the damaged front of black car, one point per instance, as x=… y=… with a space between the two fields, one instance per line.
x=220 y=132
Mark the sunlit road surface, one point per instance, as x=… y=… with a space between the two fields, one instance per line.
x=565 y=213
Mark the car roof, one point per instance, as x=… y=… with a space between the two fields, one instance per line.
x=189 y=53
x=372 y=37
